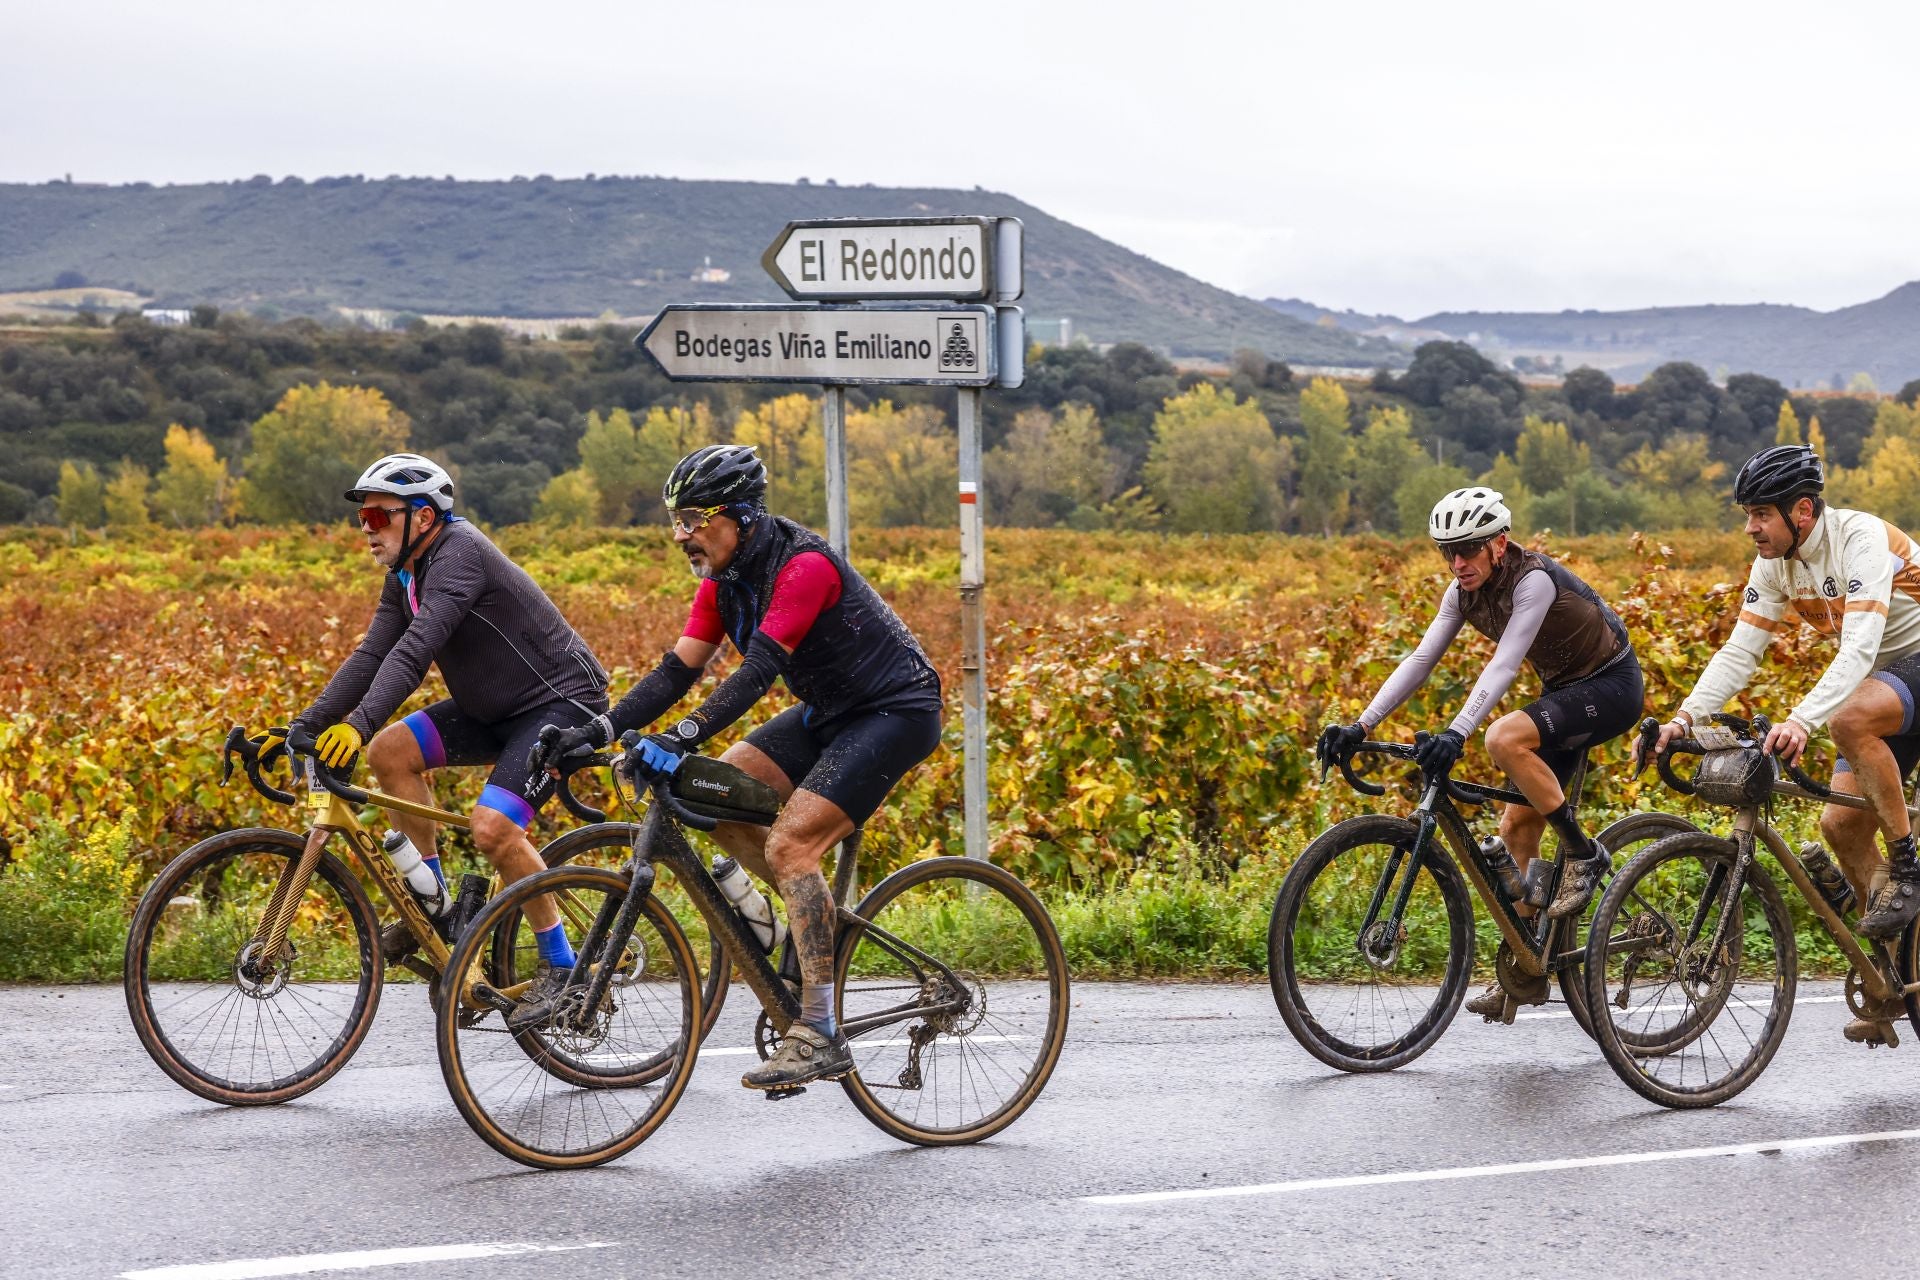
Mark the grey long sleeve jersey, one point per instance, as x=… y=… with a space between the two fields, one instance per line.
x=1533 y=596
x=500 y=644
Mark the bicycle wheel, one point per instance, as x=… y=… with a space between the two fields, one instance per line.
x=953 y=990
x=1367 y=998
x=1695 y=989
x=610 y=845
x=1618 y=837
x=217 y=1018
x=524 y=1105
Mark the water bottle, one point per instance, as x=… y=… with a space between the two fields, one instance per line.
x=1827 y=878
x=752 y=905
x=419 y=876
x=1504 y=869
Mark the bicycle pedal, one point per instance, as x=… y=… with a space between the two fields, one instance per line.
x=779 y=1095
x=1508 y=1011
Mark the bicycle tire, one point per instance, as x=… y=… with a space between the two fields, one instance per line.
x=1636 y=1055
x=1017 y=1012
x=1283 y=947
x=478 y=1103
x=203 y=862
x=1617 y=837
x=716 y=974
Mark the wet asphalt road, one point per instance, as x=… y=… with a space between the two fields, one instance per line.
x=109 y=1167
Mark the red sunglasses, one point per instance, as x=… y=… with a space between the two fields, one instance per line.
x=374 y=519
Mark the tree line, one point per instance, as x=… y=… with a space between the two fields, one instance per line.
x=232 y=418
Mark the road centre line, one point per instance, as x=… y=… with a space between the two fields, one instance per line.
x=302 y=1264
x=1501 y=1170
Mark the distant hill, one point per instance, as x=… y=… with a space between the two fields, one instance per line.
x=1799 y=346
x=580 y=247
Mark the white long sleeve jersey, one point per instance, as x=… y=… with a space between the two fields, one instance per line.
x=1853 y=577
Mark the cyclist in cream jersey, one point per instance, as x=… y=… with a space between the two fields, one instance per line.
x=1850 y=575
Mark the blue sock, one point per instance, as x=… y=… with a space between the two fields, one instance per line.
x=433 y=865
x=554 y=947
x=816 y=1009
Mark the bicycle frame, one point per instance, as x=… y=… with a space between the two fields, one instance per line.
x=1750 y=829
x=331 y=814
x=660 y=838
x=1528 y=939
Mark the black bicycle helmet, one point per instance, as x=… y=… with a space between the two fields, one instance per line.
x=1779 y=477
x=720 y=475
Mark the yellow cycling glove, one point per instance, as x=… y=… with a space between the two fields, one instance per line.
x=337 y=745
x=265 y=744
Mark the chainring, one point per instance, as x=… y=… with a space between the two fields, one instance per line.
x=1525 y=988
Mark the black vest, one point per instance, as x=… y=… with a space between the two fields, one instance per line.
x=857 y=657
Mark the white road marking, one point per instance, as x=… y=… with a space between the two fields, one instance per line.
x=1562 y=1013
x=302 y=1264
x=1502 y=1170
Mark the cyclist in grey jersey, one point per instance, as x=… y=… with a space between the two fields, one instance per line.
x=1541 y=614
x=511 y=663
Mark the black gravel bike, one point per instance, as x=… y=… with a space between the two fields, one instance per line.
x=1377 y=907
x=1692 y=959
x=952 y=987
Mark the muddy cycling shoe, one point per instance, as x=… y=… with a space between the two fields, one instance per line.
x=1870 y=1032
x=1894 y=904
x=806 y=1054
x=1490 y=1004
x=541 y=1001
x=1577 y=883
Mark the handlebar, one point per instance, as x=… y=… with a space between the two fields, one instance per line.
x=1748 y=733
x=1462 y=792
x=252 y=760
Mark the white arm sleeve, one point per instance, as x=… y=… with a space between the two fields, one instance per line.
x=1532 y=597
x=1418 y=665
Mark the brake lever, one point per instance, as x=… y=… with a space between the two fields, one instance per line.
x=1649 y=739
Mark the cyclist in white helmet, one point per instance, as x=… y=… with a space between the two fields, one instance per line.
x=511 y=663
x=1539 y=613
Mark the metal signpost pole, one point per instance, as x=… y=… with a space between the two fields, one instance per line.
x=973 y=627
x=833 y=422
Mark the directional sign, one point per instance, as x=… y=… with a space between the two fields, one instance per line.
x=941 y=345
x=850 y=259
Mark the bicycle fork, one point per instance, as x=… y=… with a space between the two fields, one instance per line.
x=1379 y=940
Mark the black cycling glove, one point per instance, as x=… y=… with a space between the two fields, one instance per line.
x=1439 y=753
x=557 y=743
x=1337 y=742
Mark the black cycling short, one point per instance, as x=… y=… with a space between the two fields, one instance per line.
x=1577 y=717
x=1903 y=677
x=449 y=736
x=853 y=761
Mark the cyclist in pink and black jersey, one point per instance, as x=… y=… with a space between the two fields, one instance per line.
x=869 y=709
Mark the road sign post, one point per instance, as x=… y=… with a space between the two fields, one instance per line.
x=917 y=301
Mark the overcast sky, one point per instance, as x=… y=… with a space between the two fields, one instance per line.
x=1381 y=156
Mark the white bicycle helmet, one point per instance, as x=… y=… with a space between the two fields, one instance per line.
x=406 y=475
x=1466 y=515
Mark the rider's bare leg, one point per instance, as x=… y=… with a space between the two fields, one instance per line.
x=808 y=826
x=747 y=843
x=1514 y=743
x=1860 y=729
x=394 y=756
